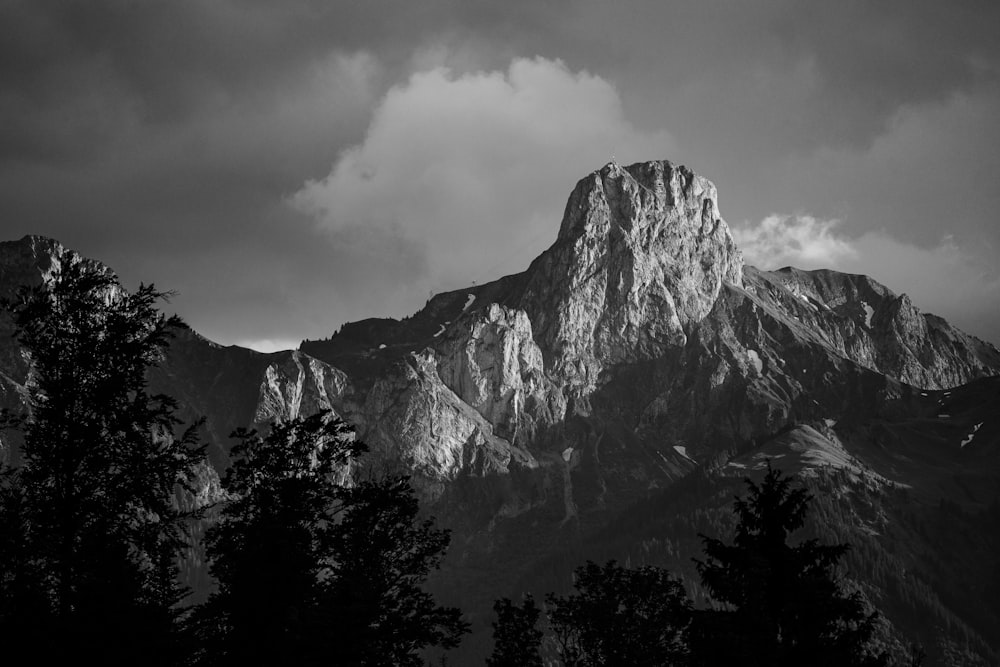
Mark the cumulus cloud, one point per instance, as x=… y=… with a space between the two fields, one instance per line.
x=932 y=172
x=944 y=278
x=473 y=170
x=801 y=241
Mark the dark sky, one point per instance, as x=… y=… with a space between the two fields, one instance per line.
x=289 y=166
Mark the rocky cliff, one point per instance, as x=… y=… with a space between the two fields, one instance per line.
x=643 y=295
x=640 y=259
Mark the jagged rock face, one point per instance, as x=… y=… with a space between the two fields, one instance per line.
x=493 y=364
x=641 y=256
x=796 y=345
x=413 y=421
x=750 y=369
x=296 y=384
x=29 y=261
x=643 y=295
x=867 y=323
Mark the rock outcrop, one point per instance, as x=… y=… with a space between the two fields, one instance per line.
x=295 y=384
x=416 y=424
x=867 y=323
x=493 y=364
x=641 y=256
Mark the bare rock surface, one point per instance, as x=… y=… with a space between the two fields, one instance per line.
x=641 y=256
x=493 y=364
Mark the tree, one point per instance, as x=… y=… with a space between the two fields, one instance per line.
x=315 y=571
x=92 y=505
x=269 y=549
x=517 y=641
x=22 y=597
x=381 y=556
x=621 y=616
x=780 y=604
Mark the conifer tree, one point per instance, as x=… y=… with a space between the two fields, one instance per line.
x=781 y=604
x=91 y=506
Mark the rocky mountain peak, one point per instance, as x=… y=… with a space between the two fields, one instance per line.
x=29 y=260
x=33 y=259
x=641 y=257
x=635 y=198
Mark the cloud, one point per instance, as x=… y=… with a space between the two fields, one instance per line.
x=473 y=170
x=932 y=172
x=801 y=241
x=198 y=206
x=945 y=278
x=166 y=137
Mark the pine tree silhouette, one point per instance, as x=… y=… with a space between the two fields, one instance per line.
x=780 y=604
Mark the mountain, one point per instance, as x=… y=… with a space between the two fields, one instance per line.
x=607 y=402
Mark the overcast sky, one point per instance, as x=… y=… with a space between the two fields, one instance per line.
x=289 y=166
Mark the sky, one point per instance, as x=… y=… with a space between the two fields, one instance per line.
x=285 y=167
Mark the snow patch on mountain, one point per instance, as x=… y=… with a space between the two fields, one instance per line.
x=869 y=311
x=968 y=439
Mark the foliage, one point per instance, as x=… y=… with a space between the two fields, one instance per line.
x=621 y=616
x=930 y=564
x=268 y=549
x=781 y=604
x=381 y=554
x=92 y=504
x=311 y=570
x=517 y=640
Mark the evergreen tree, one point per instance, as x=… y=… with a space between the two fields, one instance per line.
x=516 y=639
x=781 y=604
x=312 y=571
x=621 y=616
x=92 y=505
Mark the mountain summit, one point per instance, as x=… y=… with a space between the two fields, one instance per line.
x=640 y=259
